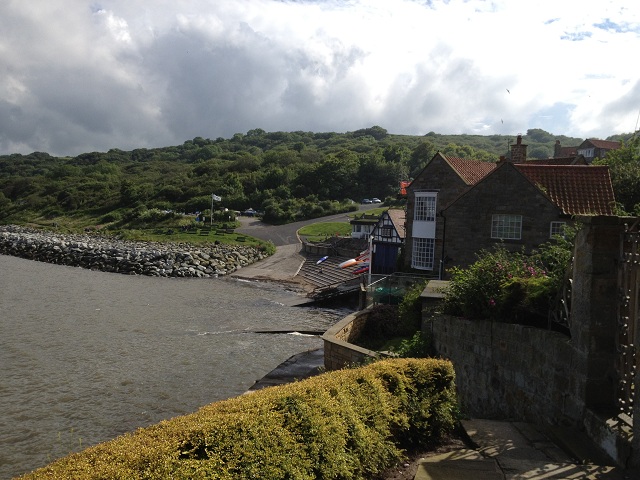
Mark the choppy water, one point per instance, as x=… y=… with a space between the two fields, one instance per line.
x=86 y=356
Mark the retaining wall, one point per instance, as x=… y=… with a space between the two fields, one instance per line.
x=338 y=352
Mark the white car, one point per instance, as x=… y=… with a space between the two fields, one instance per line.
x=376 y=200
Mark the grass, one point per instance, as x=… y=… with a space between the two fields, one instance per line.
x=164 y=231
x=323 y=230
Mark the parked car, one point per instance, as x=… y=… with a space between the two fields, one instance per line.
x=376 y=200
x=366 y=200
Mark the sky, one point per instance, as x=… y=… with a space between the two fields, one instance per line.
x=82 y=76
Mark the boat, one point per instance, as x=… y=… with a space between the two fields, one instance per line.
x=361 y=270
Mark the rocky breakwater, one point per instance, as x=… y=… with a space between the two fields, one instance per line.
x=108 y=254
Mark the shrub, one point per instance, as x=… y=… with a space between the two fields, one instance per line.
x=526 y=300
x=410 y=309
x=478 y=291
x=418 y=346
x=382 y=322
x=348 y=424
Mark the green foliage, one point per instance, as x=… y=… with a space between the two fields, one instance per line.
x=525 y=300
x=418 y=346
x=275 y=172
x=478 y=291
x=512 y=287
x=624 y=167
x=382 y=323
x=322 y=230
x=347 y=424
x=410 y=309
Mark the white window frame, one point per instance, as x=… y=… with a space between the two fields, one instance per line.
x=424 y=209
x=423 y=254
x=556 y=228
x=506 y=227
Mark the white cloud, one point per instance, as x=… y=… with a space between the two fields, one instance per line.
x=80 y=77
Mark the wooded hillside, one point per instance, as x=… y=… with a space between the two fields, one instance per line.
x=286 y=175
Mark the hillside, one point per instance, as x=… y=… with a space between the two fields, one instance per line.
x=287 y=175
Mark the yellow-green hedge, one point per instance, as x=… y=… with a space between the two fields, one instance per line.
x=347 y=424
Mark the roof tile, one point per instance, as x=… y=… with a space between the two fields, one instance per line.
x=471 y=171
x=576 y=189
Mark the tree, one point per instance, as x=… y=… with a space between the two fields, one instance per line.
x=420 y=156
x=624 y=167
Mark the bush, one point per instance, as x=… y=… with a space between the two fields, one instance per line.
x=479 y=291
x=410 y=309
x=526 y=301
x=418 y=346
x=348 y=424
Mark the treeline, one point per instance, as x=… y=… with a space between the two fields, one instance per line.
x=287 y=175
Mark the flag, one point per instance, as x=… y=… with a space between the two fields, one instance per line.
x=216 y=197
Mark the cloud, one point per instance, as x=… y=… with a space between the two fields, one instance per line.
x=115 y=74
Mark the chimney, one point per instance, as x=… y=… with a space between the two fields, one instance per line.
x=557 y=150
x=518 y=151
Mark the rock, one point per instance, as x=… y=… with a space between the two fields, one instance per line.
x=111 y=254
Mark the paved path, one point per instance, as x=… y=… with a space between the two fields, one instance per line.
x=516 y=450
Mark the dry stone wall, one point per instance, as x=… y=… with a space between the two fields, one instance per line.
x=110 y=254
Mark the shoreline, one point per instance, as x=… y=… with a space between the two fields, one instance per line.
x=96 y=252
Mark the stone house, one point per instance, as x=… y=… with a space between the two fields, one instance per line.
x=590 y=149
x=456 y=207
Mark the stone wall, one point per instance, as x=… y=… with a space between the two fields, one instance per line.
x=516 y=372
x=338 y=351
x=109 y=254
x=510 y=371
x=506 y=191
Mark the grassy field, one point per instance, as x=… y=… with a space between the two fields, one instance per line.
x=318 y=232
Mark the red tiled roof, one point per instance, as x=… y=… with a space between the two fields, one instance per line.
x=576 y=189
x=397 y=217
x=569 y=160
x=607 y=144
x=471 y=171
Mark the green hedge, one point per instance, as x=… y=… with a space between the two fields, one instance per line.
x=347 y=424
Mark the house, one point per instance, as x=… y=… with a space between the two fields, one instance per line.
x=457 y=207
x=522 y=206
x=593 y=148
x=387 y=239
x=362 y=225
x=590 y=149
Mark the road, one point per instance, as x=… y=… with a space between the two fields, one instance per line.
x=287 y=234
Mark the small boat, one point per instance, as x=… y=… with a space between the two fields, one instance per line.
x=322 y=259
x=348 y=263
x=361 y=270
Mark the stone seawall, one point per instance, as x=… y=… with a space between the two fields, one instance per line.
x=97 y=252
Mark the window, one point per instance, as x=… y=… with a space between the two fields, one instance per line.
x=506 y=227
x=557 y=228
x=386 y=231
x=425 y=208
x=423 y=253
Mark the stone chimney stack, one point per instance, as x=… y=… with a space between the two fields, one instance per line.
x=518 y=151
